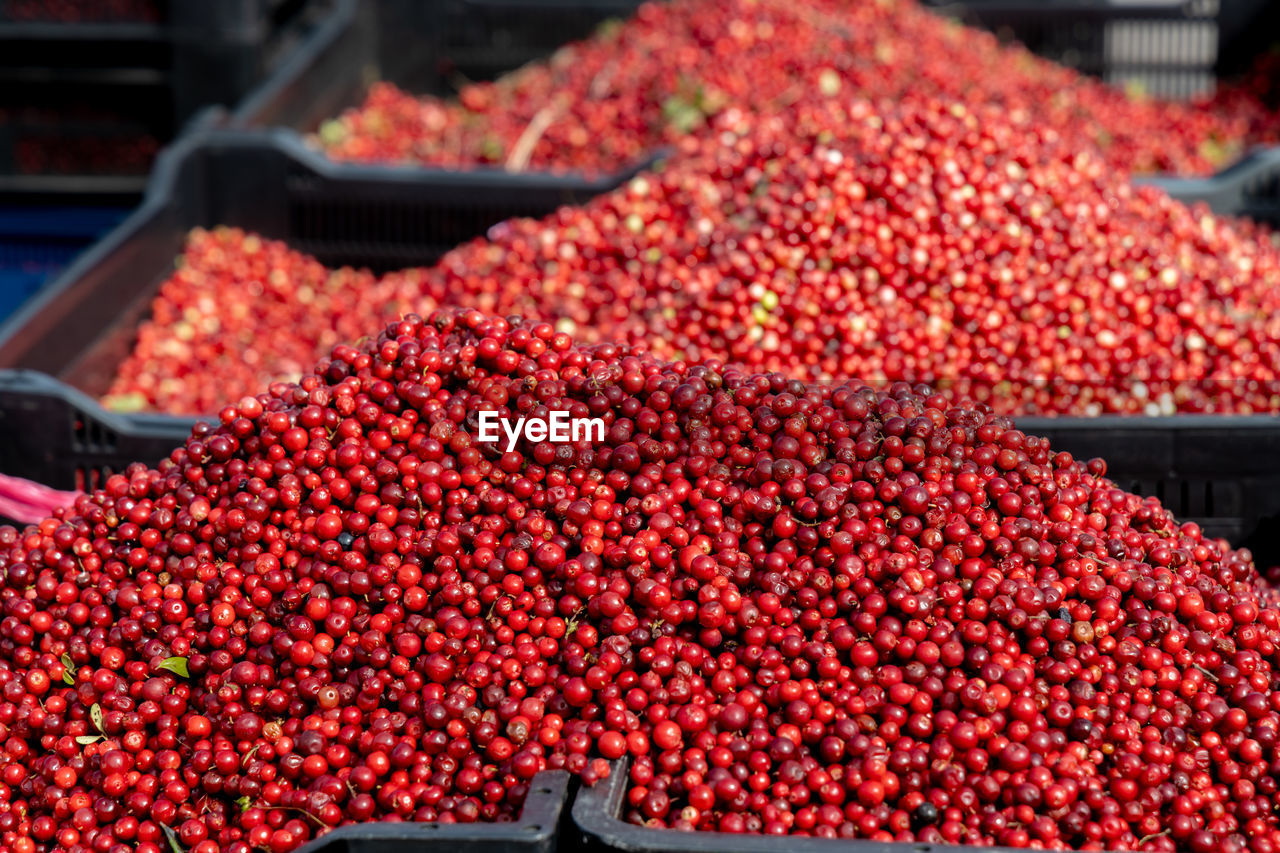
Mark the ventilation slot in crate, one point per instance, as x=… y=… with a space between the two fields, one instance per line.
x=89 y=479
x=1264 y=188
x=391 y=234
x=1193 y=499
x=89 y=436
x=1165 y=59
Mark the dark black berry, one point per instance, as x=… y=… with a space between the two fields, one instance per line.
x=345 y=539
x=925 y=814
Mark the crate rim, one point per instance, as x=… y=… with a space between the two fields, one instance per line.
x=1222 y=187
x=595 y=809
x=1050 y=8
x=1039 y=424
x=539 y=822
x=294 y=145
x=25 y=380
x=626 y=6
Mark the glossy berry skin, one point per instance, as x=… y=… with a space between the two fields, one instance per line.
x=741 y=588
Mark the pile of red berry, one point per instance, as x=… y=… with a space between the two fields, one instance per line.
x=918 y=240
x=240 y=313
x=673 y=67
x=806 y=609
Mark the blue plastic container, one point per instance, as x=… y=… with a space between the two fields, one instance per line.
x=37 y=243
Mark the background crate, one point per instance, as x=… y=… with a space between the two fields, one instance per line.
x=424 y=48
x=362 y=43
x=484 y=39
x=1167 y=48
x=100 y=96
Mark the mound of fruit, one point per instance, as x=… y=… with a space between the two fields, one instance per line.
x=240 y=313
x=917 y=240
x=798 y=608
x=673 y=67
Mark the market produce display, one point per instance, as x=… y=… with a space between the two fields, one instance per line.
x=800 y=608
x=918 y=240
x=800 y=575
x=673 y=66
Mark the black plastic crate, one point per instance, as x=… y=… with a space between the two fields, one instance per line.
x=424 y=48
x=483 y=39
x=82 y=326
x=1250 y=188
x=56 y=435
x=1220 y=471
x=332 y=69
x=73 y=86
x=1168 y=48
x=536 y=831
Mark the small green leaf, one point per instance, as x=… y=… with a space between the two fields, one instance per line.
x=127 y=403
x=491 y=148
x=245 y=803
x=85 y=740
x=172 y=838
x=68 y=670
x=176 y=665
x=95 y=716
